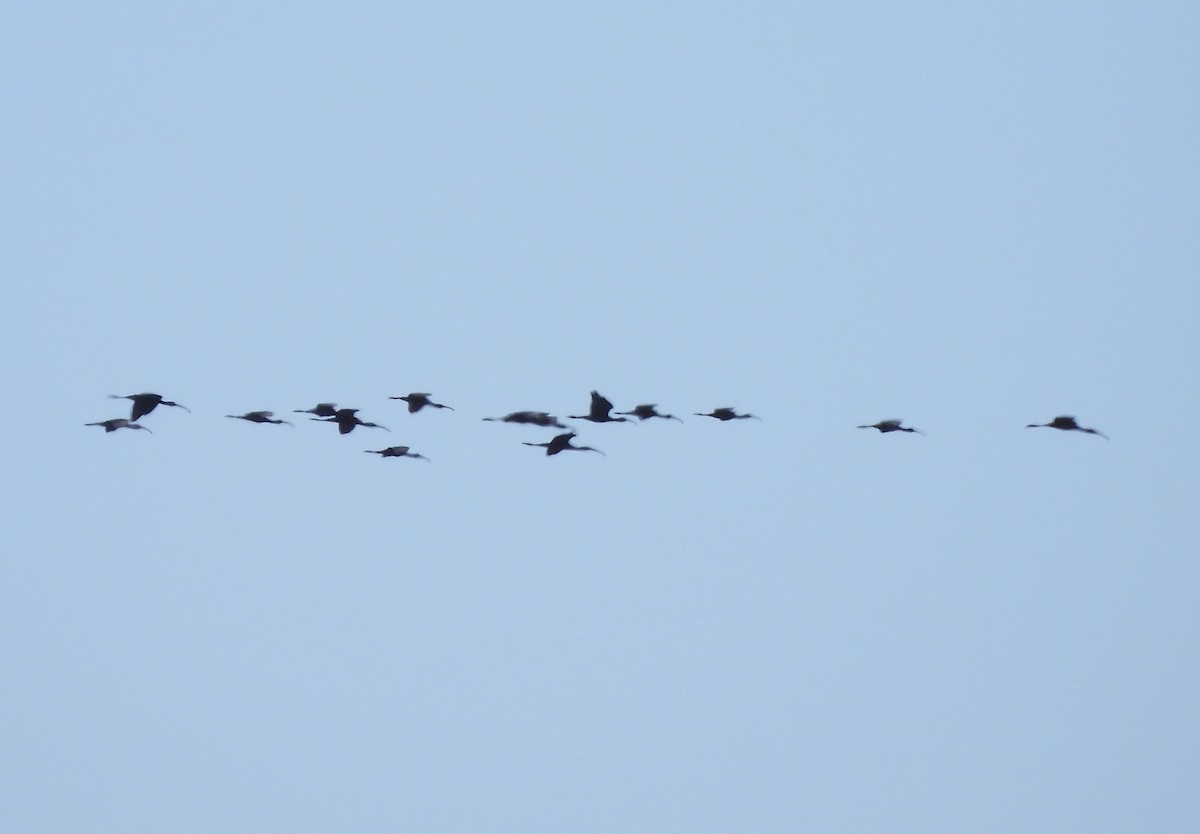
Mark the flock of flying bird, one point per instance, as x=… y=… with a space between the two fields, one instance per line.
x=600 y=411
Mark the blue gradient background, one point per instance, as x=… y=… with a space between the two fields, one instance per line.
x=970 y=216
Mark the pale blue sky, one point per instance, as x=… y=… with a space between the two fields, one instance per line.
x=969 y=217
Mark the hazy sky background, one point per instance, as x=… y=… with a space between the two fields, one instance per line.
x=971 y=217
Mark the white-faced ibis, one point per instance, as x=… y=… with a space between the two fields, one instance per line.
x=724 y=414
x=599 y=411
x=416 y=401
x=562 y=443
x=1066 y=424
x=259 y=417
x=886 y=426
x=347 y=419
x=118 y=423
x=143 y=404
x=648 y=410
x=395 y=452
x=533 y=418
x=320 y=409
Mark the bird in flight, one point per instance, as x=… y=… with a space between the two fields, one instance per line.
x=320 y=409
x=724 y=414
x=599 y=411
x=562 y=443
x=648 y=410
x=143 y=404
x=395 y=452
x=118 y=423
x=1065 y=423
x=886 y=426
x=347 y=419
x=416 y=401
x=533 y=418
x=259 y=417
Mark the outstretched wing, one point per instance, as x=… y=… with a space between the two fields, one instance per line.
x=600 y=405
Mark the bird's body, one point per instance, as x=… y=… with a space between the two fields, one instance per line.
x=562 y=443
x=416 y=401
x=143 y=404
x=347 y=419
x=1064 y=423
x=395 y=452
x=533 y=418
x=724 y=414
x=886 y=426
x=259 y=417
x=320 y=410
x=600 y=411
x=648 y=410
x=118 y=423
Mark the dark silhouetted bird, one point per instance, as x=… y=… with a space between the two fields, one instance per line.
x=533 y=418
x=118 y=423
x=646 y=411
x=886 y=426
x=259 y=417
x=562 y=443
x=1066 y=424
x=599 y=412
x=347 y=419
x=143 y=404
x=395 y=452
x=417 y=401
x=320 y=409
x=724 y=414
